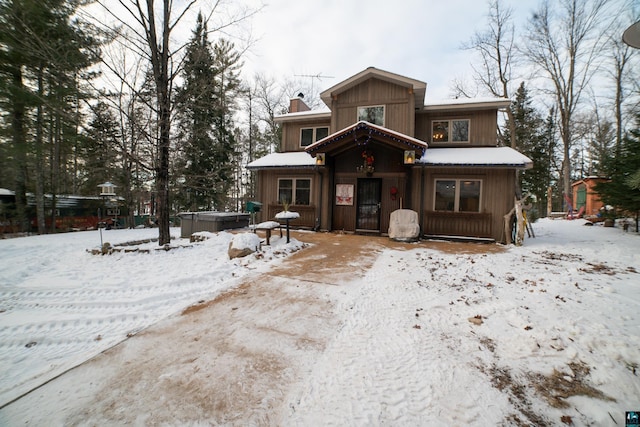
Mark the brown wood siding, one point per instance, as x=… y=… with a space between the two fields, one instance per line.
x=390 y=203
x=344 y=217
x=291 y=133
x=458 y=224
x=387 y=159
x=267 y=194
x=482 y=127
x=307 y=215
x=398 y=101
x=497 y=197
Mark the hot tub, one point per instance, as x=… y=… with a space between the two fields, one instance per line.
x=192 y=222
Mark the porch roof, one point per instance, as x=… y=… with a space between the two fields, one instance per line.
x=360 y=133
x=501 y=157
x=504 y=157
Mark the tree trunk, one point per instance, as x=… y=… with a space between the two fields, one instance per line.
x=566 y=169
x=162 y=178
x=20 y=147
x=160 y=60
x=55 y=166
x=40 y=157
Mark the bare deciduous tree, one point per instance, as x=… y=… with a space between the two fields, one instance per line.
x=149 y=31
x=620 y=70
x=564 y=42
x=496 y=48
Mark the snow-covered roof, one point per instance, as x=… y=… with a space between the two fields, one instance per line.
x=6 y=192
x=322 y=113
x=297 y=159
x=466 y=103
x=463 y=156
x=475 y=156
x=371 y=128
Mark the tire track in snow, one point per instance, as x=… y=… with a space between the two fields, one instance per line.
x=420 y=351
x=93 y=313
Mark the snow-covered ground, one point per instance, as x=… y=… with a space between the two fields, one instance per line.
x=546 y=333
x=61 y=305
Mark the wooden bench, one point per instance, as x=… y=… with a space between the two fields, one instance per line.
x=267 y=227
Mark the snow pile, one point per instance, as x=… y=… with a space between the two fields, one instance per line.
x=246 y=241
x=284 y=215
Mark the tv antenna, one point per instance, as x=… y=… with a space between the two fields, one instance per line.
x=313 y=78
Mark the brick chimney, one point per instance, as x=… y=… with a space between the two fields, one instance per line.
x=297 y=105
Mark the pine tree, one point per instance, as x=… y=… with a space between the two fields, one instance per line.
x=98 y=149
x=227 y=66
x=205 y=108
x=529 y=129
x=197 y=102
x=622 y=190
x=44 y=52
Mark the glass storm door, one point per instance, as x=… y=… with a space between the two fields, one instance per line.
x=369 y=204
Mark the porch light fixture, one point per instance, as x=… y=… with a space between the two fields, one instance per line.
x=409 y=157
x=320 y=159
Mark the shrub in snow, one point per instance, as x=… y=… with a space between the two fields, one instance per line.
x=243 y=244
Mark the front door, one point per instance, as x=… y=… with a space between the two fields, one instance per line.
x=369 y=192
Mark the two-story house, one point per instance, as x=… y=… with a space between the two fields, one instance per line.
x=379 y=147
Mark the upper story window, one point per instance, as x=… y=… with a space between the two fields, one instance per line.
x=310 y=135
x=457 y=195
x=450 y=130
x=373 y=114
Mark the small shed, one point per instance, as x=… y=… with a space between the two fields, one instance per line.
x=585 y=195
x=192 y=222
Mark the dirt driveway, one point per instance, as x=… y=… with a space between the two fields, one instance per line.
x=232 y=360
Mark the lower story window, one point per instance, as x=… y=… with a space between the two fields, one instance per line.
x=294 y=191
x=458 y=195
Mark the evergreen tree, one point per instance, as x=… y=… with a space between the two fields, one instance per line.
x=529 y=128
x=227 y=66
x=601 y=144
x=622 y=190
x=98 y=149
x=15 y=97
x=197 y=102
x=44 y=51
x=205 y=107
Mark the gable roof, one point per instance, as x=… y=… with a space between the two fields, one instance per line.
x=419 y=88
x=354 y=134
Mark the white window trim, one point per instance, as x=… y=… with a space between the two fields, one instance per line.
x=293 y=188
x=384 y=112
x=449 y=141
x=456 y=201
x=314 y=137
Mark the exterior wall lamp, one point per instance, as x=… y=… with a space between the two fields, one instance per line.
x=409 y=157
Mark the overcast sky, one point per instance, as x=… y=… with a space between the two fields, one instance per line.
x=335 y=39
x=420 y=39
